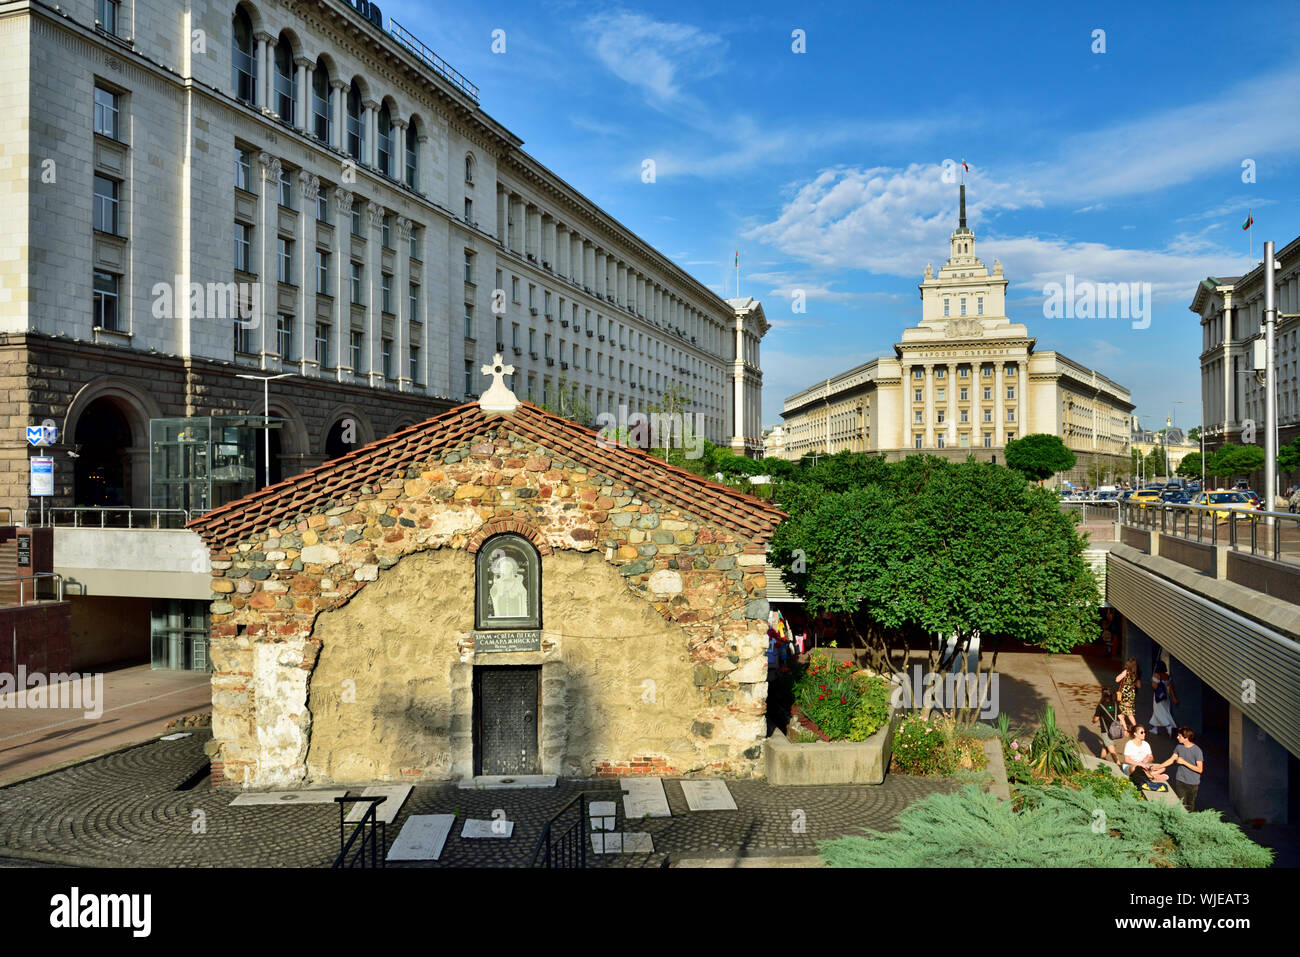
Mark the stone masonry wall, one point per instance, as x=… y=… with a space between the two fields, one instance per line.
x=283 y=593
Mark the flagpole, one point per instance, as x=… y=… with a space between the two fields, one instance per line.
x=1250 y=234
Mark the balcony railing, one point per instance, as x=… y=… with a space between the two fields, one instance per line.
x=29 y=588
x=114 y=517
x=1273 y=535
x=435 y=62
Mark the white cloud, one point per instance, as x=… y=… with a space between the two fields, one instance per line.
x=654 y=55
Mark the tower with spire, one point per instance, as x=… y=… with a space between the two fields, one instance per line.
x=963 y=288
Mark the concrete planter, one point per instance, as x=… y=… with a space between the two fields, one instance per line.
x=831 y=762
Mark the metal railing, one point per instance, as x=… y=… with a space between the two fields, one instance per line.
x=35 y=578
x=95 y=516
x=1098 y=511
x=1221 y=525
x=565 y=844
x=365 y=829
x=435 y=62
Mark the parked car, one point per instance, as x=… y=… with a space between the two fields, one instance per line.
x=1175 y=496
x=1254 y=497
x=1145 y=497
x=1233 y=501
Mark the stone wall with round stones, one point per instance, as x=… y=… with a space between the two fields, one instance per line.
x=704 y=583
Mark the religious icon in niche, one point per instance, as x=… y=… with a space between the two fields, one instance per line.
x=508 y=596
x=508 y=584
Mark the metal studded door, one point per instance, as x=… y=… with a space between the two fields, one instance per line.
x=505 y=720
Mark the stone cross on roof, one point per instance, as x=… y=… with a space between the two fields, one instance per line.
x=498 y=398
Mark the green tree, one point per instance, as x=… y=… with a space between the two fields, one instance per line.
x=1228 y=461
x=1156 y=461
x=1194 y=434
x=674 y=402
x=1039 y=456
x=1288 y=457
x=937 y=548
x=570 y=403
x=1190 y=466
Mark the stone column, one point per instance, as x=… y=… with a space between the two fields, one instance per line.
x=738 y=377
x=267 y=260
x=951 y=429
x=264 y=54
x=423 y=161
x=1022 y=402
x=402 y=307
x=374 y=295
x=929 y=404
x=342 y=261
x=399 y=150
x=305 y=237
x=517 y=226
x=503 y=217
x=1257 y=770
x=370 y=120
x=549 y=233
x=999 y=408
x=338 y=135
x=306 y=68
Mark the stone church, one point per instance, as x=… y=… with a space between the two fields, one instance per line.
x=495 y=591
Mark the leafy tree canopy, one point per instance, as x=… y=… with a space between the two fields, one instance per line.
x=1039 y=456
x=930 y=547
x=1232 y=460
x=1288 y=456
x=1190 y=466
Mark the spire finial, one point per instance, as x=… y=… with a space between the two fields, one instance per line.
x=962 y=221
x=498 y=398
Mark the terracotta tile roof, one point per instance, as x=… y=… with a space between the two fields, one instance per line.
x=652 y=477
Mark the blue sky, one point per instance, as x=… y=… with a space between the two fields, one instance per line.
x=825 y=167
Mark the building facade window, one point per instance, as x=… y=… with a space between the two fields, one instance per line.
x=988 y=440
x=356 y=284
x=469 y=266
x=386 y=231
x=415 y=363
x=284 y=337
x=469 y=320
x=323 y=344
x=385 y=292
x=412 y=137
x=284 y=248
x=415 y=243
x=106 y=113
x=507 y=584
x=356 y=127
x=322 y=99
x=243 y=247
x=322 y=206
x=386 y=357
x=286 y=188
x=355 y=349
x=244 y=79
x=916 y=440
x=243 y=170
x=322 y=272
x=286 y=83
x=106 y=200
x=105 y=303
x=384 y=143
x=106 y=15
x=413 y=304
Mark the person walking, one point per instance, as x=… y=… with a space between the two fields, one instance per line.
x=1110 y=729
x=1163 y=686
x=1191 y=765
x=1127 y=682
x=1293 y=501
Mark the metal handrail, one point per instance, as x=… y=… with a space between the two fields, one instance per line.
x=1143 y=515
x=437 y=63
x=550 y=852
x=22 y=579
x=102 y=511
x=378 y=856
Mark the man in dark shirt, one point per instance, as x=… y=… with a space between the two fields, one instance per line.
x=1191 y=765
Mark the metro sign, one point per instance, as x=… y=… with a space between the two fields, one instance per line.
x=45 y=434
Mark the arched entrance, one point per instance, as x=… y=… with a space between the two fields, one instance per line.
x=102 y=468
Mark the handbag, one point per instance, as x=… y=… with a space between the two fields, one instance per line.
x=1161 y=692
x=1115 y=729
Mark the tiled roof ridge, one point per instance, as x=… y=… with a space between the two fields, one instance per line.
x=713 y=501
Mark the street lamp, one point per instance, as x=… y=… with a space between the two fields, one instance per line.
x=266 y=381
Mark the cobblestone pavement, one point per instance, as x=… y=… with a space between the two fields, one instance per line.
x=124 y=810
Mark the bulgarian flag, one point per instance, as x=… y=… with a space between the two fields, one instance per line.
x=965 y=165
x=1250 y=221
x=737 y=258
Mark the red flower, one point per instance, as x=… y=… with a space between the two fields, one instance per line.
x=823 y=687
x=842 y=701
x=820 y=697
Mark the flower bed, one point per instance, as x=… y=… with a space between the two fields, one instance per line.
x=837 y=702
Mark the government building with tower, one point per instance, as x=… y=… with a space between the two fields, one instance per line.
x=965 y=381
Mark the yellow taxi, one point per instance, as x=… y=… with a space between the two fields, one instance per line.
x=1232 y=501
x=1145 y=497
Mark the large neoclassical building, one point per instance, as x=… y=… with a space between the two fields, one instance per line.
x=965 y=381
x=201 y=190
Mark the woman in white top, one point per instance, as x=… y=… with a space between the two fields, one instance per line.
x=1138 y=757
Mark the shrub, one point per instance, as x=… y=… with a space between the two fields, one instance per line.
x=1053 y=751
x=922 y=748
x=872 y=710
x=1104 y=783
x=1055 y=828
x=844 y=705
